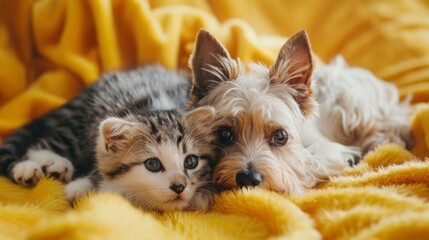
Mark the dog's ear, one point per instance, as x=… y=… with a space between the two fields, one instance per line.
x=294 y=66
x=209 y=64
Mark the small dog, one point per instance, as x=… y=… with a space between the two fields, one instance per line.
x=283 y=128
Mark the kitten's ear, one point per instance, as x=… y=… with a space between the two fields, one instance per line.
x=294 y=66
x=209 y=64
x=202 y=116
x=116 y=133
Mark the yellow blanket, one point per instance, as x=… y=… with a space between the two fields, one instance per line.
x=51 y=49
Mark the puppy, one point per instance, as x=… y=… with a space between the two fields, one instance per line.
x=280 y=131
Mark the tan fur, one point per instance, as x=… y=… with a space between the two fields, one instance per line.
x=253 y=104
x=252 y=134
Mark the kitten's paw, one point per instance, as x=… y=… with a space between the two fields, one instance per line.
x=77 y=189
x=53 y=165
x=59 y=168
x=202 y=200
x=27 y=173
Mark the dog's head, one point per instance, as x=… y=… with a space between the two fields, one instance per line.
x=260 y=113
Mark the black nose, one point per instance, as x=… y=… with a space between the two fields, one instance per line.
x=178 y=187
x=248 y=178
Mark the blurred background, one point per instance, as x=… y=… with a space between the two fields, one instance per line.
x=52 y=49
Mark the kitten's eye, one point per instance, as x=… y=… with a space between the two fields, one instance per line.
x=225 y=135
x=191 y=162
x=279 y=137
x=153 y=165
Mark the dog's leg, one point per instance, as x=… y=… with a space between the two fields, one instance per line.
x=329 y=158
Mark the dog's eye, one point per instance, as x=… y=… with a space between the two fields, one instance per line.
x=153 y=165
x=225 y=135
x=279 y=137
x=191 y=162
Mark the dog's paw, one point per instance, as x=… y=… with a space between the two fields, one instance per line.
x=354 y=158
x=348 y=155
x=352 y=155
x=27 y=173
x=77 y=189
x=332 y=158
x=52 y=164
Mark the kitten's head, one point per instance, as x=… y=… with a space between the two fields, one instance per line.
x=260 y=114
x=159 y=161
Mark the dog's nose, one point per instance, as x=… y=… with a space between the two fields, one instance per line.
x=248 y=178
x=178 y=187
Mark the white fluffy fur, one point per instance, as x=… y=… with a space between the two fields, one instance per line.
x=331 y=117
x=356 y=113
x=309 y=159
x=357 y=109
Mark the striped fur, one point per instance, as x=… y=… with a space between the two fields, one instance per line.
x=124 y=145
x=69 y=131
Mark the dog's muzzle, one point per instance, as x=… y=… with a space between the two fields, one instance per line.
x=248 y=179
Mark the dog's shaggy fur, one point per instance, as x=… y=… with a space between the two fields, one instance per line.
x=280 y=130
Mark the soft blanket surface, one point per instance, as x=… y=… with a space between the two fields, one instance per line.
x=52 y=49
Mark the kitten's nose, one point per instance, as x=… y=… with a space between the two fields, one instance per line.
x=248 y=178
x=178 y=187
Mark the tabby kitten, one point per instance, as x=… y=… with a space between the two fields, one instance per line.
x=62 y=143
x=157 y=160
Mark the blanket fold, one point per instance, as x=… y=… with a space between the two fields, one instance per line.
x=52 y=49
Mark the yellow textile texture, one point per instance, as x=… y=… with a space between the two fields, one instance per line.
x=386 y=197
x=52 y=49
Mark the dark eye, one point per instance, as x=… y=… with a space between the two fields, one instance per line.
x=225 y=135
x=279 y=137
x=191 y=162
x=153 y=165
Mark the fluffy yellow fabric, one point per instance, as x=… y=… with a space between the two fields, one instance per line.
x=51 y=49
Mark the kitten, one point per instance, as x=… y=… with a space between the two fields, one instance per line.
x=157 y=160
x=61 y=144
x=64 y=143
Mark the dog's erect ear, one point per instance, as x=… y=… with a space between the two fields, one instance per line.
x=294 y=64
x=209 y=64
x=116 y=133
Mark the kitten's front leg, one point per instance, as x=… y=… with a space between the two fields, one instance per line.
x=202 y=201
x=78 y=188
x=39 y=163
